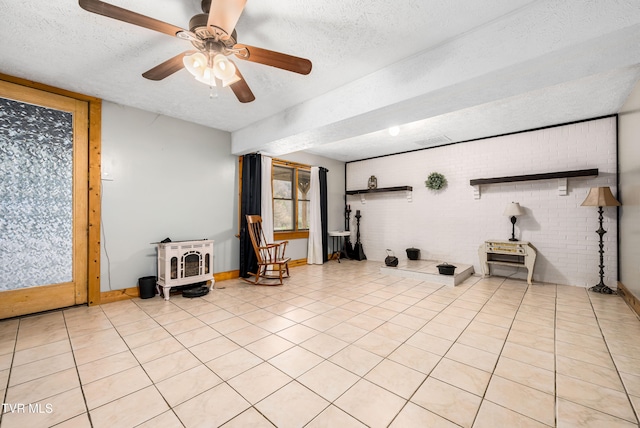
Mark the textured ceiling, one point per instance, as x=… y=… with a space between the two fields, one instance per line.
x=442 y=70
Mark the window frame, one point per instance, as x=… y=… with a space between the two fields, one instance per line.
x=295 y=233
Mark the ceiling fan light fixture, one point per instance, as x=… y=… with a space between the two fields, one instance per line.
x=195 y=63
x=198 y=65
x=211 y=33
x=207 y=77
x=223 y=68
x=231 y=81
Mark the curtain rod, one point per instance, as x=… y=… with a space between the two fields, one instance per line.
x=291 y=163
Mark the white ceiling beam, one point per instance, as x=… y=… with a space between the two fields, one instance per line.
x=494 y=62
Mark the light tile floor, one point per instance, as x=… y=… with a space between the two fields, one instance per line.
x=339 y=345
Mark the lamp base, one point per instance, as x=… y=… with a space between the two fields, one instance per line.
x=513 y=229
x=600 y=287
x=603 y=289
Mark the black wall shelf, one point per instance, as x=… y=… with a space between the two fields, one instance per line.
x=381 y=189
x=531 y=177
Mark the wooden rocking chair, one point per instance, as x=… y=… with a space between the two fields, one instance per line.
x=272 y=263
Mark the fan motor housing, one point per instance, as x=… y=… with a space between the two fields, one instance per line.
x=198 y=26
x=198 y=21
x=206 y=5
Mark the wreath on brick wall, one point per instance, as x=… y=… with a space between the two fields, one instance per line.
x=435 y=181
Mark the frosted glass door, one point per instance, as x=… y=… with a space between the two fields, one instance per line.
x=42 y=200
x=36 y=190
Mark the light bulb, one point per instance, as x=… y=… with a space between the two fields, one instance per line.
x=208 y=77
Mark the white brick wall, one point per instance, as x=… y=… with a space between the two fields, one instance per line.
x=450 y=224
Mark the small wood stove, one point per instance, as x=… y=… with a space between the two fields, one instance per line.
x=184 y=263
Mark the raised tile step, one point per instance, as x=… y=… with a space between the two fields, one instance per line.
x=427 y=270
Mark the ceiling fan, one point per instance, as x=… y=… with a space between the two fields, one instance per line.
x=213 y=35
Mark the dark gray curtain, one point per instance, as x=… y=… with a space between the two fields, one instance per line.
x=323 y=213
x=249 y=205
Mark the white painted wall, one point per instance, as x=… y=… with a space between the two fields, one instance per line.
x=176 y=179
x=171 y=178
x=629 y=164
x=297 y=248
x=450 y=225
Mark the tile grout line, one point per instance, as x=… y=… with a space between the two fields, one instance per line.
x=492 y=374
x=129 y=349
x=626 y=392
x=501 y=295
x=75 y=363
x=13 y=356
x=171 y=408
x=443 y=356
x=555 y=358
x=327 y=360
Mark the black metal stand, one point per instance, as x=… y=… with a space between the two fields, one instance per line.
x=338 y=249
x=347 y=248
x=347 y=217
x=601 y=287
x=513 y=229
x=358 y=251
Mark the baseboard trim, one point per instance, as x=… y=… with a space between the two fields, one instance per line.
x=118 y=295
x=134 y=292
x=299 y=262
x=629 y=298
x=223 y=276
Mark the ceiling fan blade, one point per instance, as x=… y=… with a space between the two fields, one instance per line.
x=274 y=59
x=124 y=15
x=167 y=68
x=224 y=14
x=241 y=89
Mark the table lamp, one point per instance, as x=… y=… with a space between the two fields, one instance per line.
x=513 y=209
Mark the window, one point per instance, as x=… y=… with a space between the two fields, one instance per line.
x=291 y=184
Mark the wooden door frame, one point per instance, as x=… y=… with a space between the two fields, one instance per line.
x=94 y=183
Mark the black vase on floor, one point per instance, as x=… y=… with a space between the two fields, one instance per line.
x=413 y=253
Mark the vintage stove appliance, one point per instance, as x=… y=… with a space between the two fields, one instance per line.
x=184 y=263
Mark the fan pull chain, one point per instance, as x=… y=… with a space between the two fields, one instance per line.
x=213 y=92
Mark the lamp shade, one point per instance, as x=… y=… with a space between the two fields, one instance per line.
x=223 y=68
x=600 y=197
x=513 y=209
x=195 y=64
